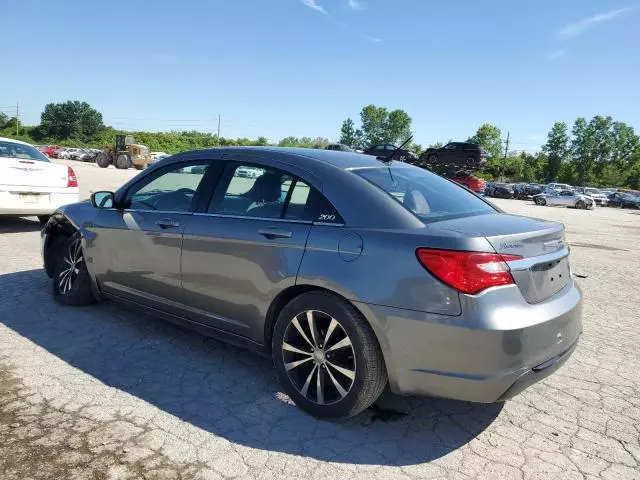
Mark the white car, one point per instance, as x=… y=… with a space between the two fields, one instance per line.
x=30 y=184
x=565 y=198
x=599 y=197
x=68 y=153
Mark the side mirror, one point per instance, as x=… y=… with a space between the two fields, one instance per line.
x=102 y=199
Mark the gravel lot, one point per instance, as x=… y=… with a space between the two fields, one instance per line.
x=106 y=393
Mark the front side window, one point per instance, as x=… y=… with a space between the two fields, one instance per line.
x=21 y=152
x=450 y=146
x=430 y=197
x=172 y=191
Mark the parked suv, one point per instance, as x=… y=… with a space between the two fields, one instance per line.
x=455 y=153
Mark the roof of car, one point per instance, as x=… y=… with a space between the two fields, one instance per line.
x=13 y=140
x=344 y=160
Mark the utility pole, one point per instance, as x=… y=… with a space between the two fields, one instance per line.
x=218 y=129
x=17 y=119
x=504 y=159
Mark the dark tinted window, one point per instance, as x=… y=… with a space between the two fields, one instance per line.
x=428 y=196
x=264 y=192
x=450 y=146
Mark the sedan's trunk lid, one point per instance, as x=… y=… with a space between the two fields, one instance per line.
x=544 y=268
x=29 y=173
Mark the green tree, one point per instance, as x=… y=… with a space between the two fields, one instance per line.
x=556 y=150
x=397 y=127
x=70 y=120
x=349 y=135
x=4 y=118
x=289 y=142
x=583 y=149
x=489 y=137
x=378 y=125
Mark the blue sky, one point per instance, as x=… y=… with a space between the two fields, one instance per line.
x=300 y=67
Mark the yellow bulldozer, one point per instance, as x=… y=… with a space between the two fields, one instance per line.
x=125 y=153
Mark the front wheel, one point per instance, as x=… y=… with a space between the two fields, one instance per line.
x=71 y=283
x=103 y=160
x=123 y=161
x=327 y=357
x=433 y=159
x=580 y=204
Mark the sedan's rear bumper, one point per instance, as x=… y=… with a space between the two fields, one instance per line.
x=37 y=202
x=498 y=347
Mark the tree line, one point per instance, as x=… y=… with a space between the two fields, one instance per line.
x=599 y=152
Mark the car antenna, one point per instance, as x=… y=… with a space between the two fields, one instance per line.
x=388 y=158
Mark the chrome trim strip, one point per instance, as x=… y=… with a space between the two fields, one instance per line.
x=245 y=217
x=526 y=263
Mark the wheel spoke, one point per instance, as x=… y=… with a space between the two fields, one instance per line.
x=345 y=342
x=292 y=365
x=76 y=252
x=336 y=384
x=312 y=327
x=320 y=386
x=291 y=348
x=67 y=285
x=296 y=324
x=347 y=373
x=62 y=277
x=332 y=327
x=68 y=261
x=305 y=387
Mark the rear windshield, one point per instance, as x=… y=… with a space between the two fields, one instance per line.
x=430 y=197
x=21 y=151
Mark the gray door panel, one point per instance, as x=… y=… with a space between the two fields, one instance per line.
x=233 y=268
x=139 y=255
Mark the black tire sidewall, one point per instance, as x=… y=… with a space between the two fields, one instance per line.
x=80 y=293
x=355 y=327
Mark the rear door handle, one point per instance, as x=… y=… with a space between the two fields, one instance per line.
x=167 y=223
x=273 y=233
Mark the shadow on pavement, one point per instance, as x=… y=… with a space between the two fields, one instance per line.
x=224 y=390
x=19 y=224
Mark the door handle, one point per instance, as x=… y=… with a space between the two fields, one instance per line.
x=167 y=223
x=273 y=233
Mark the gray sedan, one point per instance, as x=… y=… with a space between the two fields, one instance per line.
x=350 y=272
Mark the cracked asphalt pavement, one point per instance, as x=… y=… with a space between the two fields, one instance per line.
x=103 y=392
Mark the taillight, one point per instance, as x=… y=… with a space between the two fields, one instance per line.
x=468 y=272
x=72 y=180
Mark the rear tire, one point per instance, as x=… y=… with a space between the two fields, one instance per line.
x=103 y=160
x=71 y=282
x=540 y=201
x=471 y=161
x=350 y=377
x=123 y=161
x=433 y=159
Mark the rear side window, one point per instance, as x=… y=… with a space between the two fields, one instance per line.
x=428 y=196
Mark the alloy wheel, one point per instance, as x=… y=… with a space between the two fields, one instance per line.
x=319 y=357
x=72 y=259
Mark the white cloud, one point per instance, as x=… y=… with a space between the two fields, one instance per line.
x=369 y=38
x=356 y=5
x=573 y=29
x=313 y=5
x=557 y=54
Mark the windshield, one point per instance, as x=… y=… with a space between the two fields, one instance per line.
x=593 y=191
x=430 y=197
x=21 y=151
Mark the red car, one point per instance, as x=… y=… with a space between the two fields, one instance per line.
x=472 y=183
x=48 y=150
